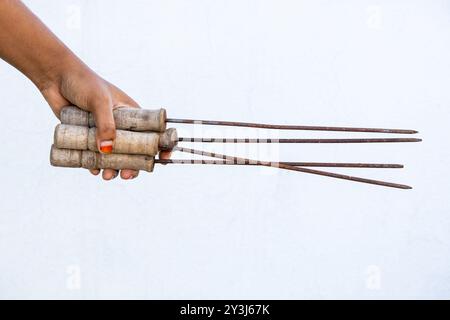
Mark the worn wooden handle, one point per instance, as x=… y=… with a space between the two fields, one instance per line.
x=133 y=119
x=68 y=158
x=126 y=142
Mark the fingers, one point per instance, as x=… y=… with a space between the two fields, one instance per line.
x=129 y=174
x=122 y=99
x=106 y=132
x=110 y=174
x=95 y=172
x=165 y=155
x=102 y=109
x=106 y=128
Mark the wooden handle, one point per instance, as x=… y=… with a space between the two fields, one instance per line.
x=133 y=119
x=126 y=142
x=67 y=158
x=168 y=140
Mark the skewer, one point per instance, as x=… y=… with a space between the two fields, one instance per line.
x=295 y=164
x=287 y=127
x=138 y=129
x=70 y=158
x=251 y=140
x=156 y=120
x=292 y=168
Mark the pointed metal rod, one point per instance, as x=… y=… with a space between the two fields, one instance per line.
x=300 y=169
x=295 y=164
x=287 y=127
x=251 y=140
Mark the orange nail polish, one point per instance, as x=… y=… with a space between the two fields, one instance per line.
x=106 y=149
x=106 y=146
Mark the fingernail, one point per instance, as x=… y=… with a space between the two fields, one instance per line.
x=114 y=176
x=106 y=146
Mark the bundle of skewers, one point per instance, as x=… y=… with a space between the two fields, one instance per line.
x=142 y=134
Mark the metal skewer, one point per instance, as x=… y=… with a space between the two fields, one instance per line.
x=251 y=140
x=287 y=127
x=295 y=164
x=142 y=133
x=292 y=168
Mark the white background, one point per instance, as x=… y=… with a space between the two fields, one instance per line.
x=237 y=232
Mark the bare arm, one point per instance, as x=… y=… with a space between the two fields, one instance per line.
x=62 y=78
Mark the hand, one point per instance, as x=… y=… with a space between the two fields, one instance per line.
x=80 y=86
x=63 y=79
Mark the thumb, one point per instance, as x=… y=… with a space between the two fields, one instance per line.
x=106 y=128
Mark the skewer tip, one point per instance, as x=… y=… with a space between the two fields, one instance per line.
x=402 y=131
x=413 y=140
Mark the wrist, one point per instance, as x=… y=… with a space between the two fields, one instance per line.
x=53 y=73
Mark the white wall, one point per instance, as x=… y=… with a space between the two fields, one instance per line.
x=227 y=232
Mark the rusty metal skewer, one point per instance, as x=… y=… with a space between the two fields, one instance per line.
x=295 y=164
x=252 y=140
x=292 y=168
x=287 y=127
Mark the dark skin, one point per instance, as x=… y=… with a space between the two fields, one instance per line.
x=62 y=78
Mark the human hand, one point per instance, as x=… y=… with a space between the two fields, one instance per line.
x=63 y=79
x=78 y=85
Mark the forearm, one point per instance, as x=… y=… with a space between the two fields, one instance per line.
x=63 y=79
x=28 y=45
